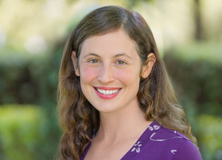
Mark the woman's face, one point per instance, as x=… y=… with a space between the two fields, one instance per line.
x=109 y=70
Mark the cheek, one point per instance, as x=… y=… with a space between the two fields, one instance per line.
x=87 y=74
x=128 y=77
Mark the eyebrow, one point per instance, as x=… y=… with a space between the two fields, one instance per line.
x=91 y=54
x=122 y=54
x=117 y=55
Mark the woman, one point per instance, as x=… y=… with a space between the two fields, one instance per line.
x=115 y=99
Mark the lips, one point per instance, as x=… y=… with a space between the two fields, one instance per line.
x=107 y=92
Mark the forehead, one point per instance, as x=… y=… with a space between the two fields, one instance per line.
x=109 y=44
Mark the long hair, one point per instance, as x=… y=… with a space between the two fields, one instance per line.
x=79 y=119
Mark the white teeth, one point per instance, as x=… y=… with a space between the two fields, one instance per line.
x=107 y=92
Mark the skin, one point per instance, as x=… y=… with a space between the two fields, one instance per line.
x=105 y=61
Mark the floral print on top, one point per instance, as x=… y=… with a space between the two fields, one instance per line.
x=136 y=147
x=160 y=143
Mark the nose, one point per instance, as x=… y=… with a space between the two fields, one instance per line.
x=106 y=74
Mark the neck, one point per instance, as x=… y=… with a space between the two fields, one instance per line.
x=124 y=124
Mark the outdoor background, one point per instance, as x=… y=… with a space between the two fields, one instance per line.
x=32 y=38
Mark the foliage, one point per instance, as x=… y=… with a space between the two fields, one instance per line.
x=25 y=134
x=195 y=71
x=27 y=78
x=133 y=3
x=209 y=133
x=208 y=51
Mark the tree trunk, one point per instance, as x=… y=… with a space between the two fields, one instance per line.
x=198 y=21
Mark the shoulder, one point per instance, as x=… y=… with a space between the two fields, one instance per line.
x=187 y=150
x=168 y=144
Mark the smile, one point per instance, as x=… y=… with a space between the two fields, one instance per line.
x=106 y=92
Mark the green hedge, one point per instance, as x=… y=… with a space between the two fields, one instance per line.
x=29 y=79
x=25 y=133
x=209 y=135
x=196 y=73
x=195 y=70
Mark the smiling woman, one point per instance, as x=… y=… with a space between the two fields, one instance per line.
x=107 y=68
x=115 y=99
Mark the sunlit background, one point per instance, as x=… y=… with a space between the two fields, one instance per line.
x=32 y=38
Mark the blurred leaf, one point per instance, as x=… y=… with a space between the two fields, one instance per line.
x=209 y=133
x=26 y=133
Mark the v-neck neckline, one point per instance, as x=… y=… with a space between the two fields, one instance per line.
x=141 y=142
x=135 y=149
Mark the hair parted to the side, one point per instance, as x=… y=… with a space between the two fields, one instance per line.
x=79 y=119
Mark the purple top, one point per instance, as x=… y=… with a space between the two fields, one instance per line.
x=160 y=143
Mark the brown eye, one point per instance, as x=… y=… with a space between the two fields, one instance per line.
x=120 y=62
x=93 y=61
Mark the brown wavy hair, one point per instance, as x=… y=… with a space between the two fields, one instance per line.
x=79 y=119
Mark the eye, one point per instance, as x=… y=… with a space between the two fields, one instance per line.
x=120 y=62
x=93 y=61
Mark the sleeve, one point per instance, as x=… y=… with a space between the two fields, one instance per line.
x=187 y=151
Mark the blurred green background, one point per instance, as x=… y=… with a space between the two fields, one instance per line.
x=32 y=38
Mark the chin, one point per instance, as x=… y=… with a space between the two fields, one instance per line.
x=105 y=108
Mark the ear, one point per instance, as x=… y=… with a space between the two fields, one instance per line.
x=151 y=59
x=74 y=61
